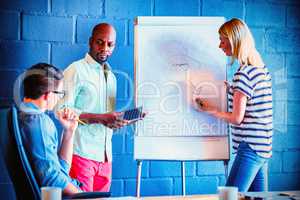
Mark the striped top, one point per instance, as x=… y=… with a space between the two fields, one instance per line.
x=256 y=127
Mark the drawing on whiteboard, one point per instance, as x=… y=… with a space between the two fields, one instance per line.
x=179 y=65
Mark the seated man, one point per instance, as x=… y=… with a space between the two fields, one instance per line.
x=50 y=162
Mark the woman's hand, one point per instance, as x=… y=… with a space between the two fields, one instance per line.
x=205 y=106
x=68 y=118
x=227 y=86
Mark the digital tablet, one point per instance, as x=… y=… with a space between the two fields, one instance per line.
x=133 y=114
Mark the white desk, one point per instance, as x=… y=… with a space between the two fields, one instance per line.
x=188 y=197
x=274 y=195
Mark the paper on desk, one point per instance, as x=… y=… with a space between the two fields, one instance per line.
x=294 y=195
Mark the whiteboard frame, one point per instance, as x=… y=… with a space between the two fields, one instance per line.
x=180 y=148
x=176 y=148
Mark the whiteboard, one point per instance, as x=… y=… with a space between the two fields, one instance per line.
x=176 y=60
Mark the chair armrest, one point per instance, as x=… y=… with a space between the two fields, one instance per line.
x=88 y=195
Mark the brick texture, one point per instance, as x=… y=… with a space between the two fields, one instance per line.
x=9 y=21
x=228 y=9
x=57 y=32
x=176 y=8
x=47 y=28
x=21 y=55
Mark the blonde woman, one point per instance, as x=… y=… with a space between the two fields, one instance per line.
x=250 y=108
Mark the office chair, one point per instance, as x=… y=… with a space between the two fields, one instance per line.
x=17 y=163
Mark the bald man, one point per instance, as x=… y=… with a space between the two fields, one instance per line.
x=91 y=91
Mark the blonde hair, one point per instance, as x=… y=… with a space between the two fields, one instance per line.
x=242 y=43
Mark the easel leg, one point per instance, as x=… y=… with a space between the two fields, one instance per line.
x=226 y=168
x=138 y=178
x=183 y=177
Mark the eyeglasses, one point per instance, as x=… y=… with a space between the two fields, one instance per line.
x=61 y=94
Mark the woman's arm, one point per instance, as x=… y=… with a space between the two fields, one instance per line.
x=234 y=117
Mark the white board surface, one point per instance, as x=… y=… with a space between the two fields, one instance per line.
x=176 y=60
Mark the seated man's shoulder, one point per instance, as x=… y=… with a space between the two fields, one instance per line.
x=35 y=122
x=29 y=117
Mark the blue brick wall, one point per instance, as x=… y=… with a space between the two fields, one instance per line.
x=78 y=7
x=173 y=8
x=57 y=31
x=26 y=6
x=9 y=32
x=64 y=54
x=19 y=54
x=264 y=14
x=228 y=9
x=47 y=28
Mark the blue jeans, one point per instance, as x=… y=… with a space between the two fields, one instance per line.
x=249 y=170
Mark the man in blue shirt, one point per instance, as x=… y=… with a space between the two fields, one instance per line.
x=51 y=163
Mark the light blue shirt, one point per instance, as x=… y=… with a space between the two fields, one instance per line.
x=90 y=89
x=40 y=138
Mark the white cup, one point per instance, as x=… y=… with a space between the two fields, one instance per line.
x=51 y=193
x=228 y=193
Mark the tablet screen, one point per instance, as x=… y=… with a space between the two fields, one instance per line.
x=133 y=114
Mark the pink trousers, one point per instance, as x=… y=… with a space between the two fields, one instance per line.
x=95 y=176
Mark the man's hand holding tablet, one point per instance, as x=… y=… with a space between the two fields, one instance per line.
x=133 y=115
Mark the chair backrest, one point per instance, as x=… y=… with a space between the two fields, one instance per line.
x=15 y=157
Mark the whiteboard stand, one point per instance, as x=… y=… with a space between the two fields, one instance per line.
x=138 y=178
x=226 y=168
x=183 y=180
x=200 y=149
x=139 y=175
x=183 y=177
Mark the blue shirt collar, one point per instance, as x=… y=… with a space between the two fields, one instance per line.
x=30 y=108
